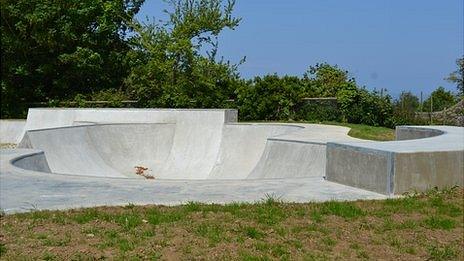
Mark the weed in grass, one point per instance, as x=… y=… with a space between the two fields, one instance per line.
x=270 y=212
x=318 y=228
x=245 y=256
x=192 y=206
x=110 y=239
x=393 y=241
x=235 y=209
x=410 y=250
x=296 y=243
x=389 y=225
x=342 y=209
x=437 y=222
x=86 y=215
x=125 y=245
x=253 y=233
x=408 y=224
x=262 y=246
x=129 y=220
x=407 y=204
x=443 y=208
x=316 y=216
x=149 y=232
x=301 y=212
x=156 y=217
x=280 y=251
x=295 y=230
x=271 y=199
x=362 y=254
x=330 y=242
x=281 y=231
x=213 y=233
x=48 y=256
x=3 y=249
x=41 y=236
x=52 y=241
x=437 y=252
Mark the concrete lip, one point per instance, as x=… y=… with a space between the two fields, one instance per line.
x=72 y=158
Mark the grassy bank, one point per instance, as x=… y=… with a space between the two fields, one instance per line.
x=426 y=226
x=362 y=131
x=367 y=132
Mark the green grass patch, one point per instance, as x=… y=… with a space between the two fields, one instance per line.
x=266 y=230
x=437 y=222
x=341 y=209
x=360 y=131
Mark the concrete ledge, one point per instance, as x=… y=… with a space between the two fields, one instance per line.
x=433 y=156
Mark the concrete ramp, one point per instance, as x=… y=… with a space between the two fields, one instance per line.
x=176 y=144
x=242 y=146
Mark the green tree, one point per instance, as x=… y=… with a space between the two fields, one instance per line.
x=55 y=49
x=326 y=80
x=177 y=64
x=405 y=108
x=358 y=105
x=458 y=76
x=270 y=98
x=439 y=99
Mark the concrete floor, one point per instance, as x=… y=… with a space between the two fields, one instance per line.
x=22 y=190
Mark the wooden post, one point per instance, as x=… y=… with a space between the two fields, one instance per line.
x=431 y=108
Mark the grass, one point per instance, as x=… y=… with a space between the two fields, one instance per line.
x=426 y=226
x=367 y=132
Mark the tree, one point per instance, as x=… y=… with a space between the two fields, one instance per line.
x=407 y=102
x=439 y=99
x=55 y=49
x=177 y=64
x=270 y=98
x=405 y=108
x=457 y=76
x=327 y=80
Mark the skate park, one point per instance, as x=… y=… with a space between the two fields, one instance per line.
x=70 y=158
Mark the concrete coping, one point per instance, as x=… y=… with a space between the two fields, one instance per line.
x=130 y=109
x=438 y=138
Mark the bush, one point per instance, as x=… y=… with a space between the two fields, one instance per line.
x=270 y=98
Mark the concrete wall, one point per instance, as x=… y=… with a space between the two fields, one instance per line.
x=433 y=156
x=356 y=167
x=11 y=130
x=411 y=133
x=424 y=170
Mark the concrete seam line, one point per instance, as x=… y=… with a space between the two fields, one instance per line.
x=391 y=173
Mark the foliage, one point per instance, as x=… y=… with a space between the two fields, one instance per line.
x=172 y=69
x=270 y=98
x=458 y=76
x=358 y=105
x=439 y=100
x=327 y=80
x=67 y=53
x=280 y=98
x=405 y=108
x=53 y=50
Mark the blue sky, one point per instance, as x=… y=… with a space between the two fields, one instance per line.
x=394 y=44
